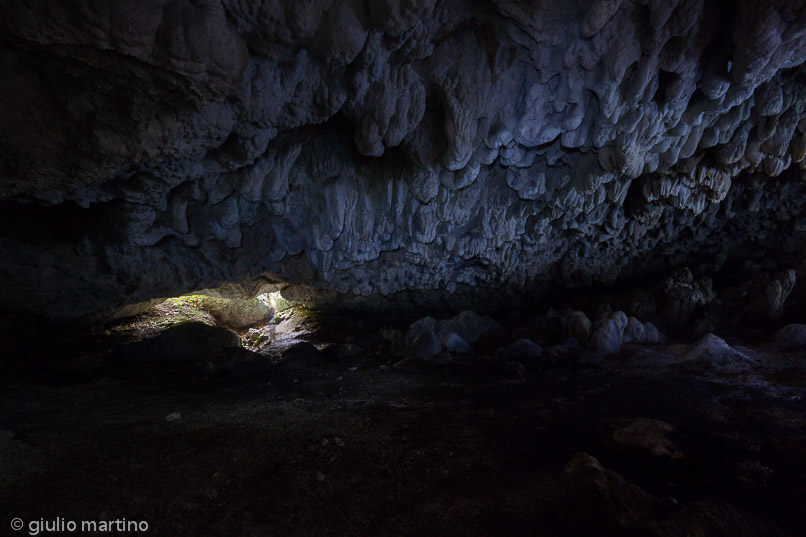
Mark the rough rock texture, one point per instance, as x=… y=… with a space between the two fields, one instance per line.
x=438 y=148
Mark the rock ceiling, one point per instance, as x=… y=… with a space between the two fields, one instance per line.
x=390 y=148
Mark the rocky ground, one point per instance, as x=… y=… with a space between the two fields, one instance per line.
x=345 y=426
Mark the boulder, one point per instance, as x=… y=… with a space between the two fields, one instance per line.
x=578 y=326
x=791 y=336
x=469 y=325
x=426 y=345
x=634 y=332
x=549 y=327
x=417 y=327
x=607 y=338
x=523 y=348
x=651 y=334
x=453 y=342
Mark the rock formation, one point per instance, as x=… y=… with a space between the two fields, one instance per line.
x=398 y=149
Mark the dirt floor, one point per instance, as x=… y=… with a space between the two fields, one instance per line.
x=362 y=447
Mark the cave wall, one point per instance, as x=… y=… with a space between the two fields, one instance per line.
x=390 y=148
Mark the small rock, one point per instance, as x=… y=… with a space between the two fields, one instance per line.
x=425 y=345
x=650 y=435
x=515 y=369
x=791 y=336
x=453 y=342
x=173 y=416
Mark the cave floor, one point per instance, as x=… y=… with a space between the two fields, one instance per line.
x=362 y=448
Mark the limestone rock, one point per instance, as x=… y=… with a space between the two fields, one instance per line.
x=578 y=326
x=418 y=326
x=683 y=295
x=469 y=325
x=634 y=331
x=523 y=348
x=712 y=351
x=768 y=295
x=649 y=435
x=426 y=345
x=791 y=335
x=607 y=338
x=453 y=342
x=150 y=149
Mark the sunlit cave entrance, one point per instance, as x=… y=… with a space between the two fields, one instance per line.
x=257 y=322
